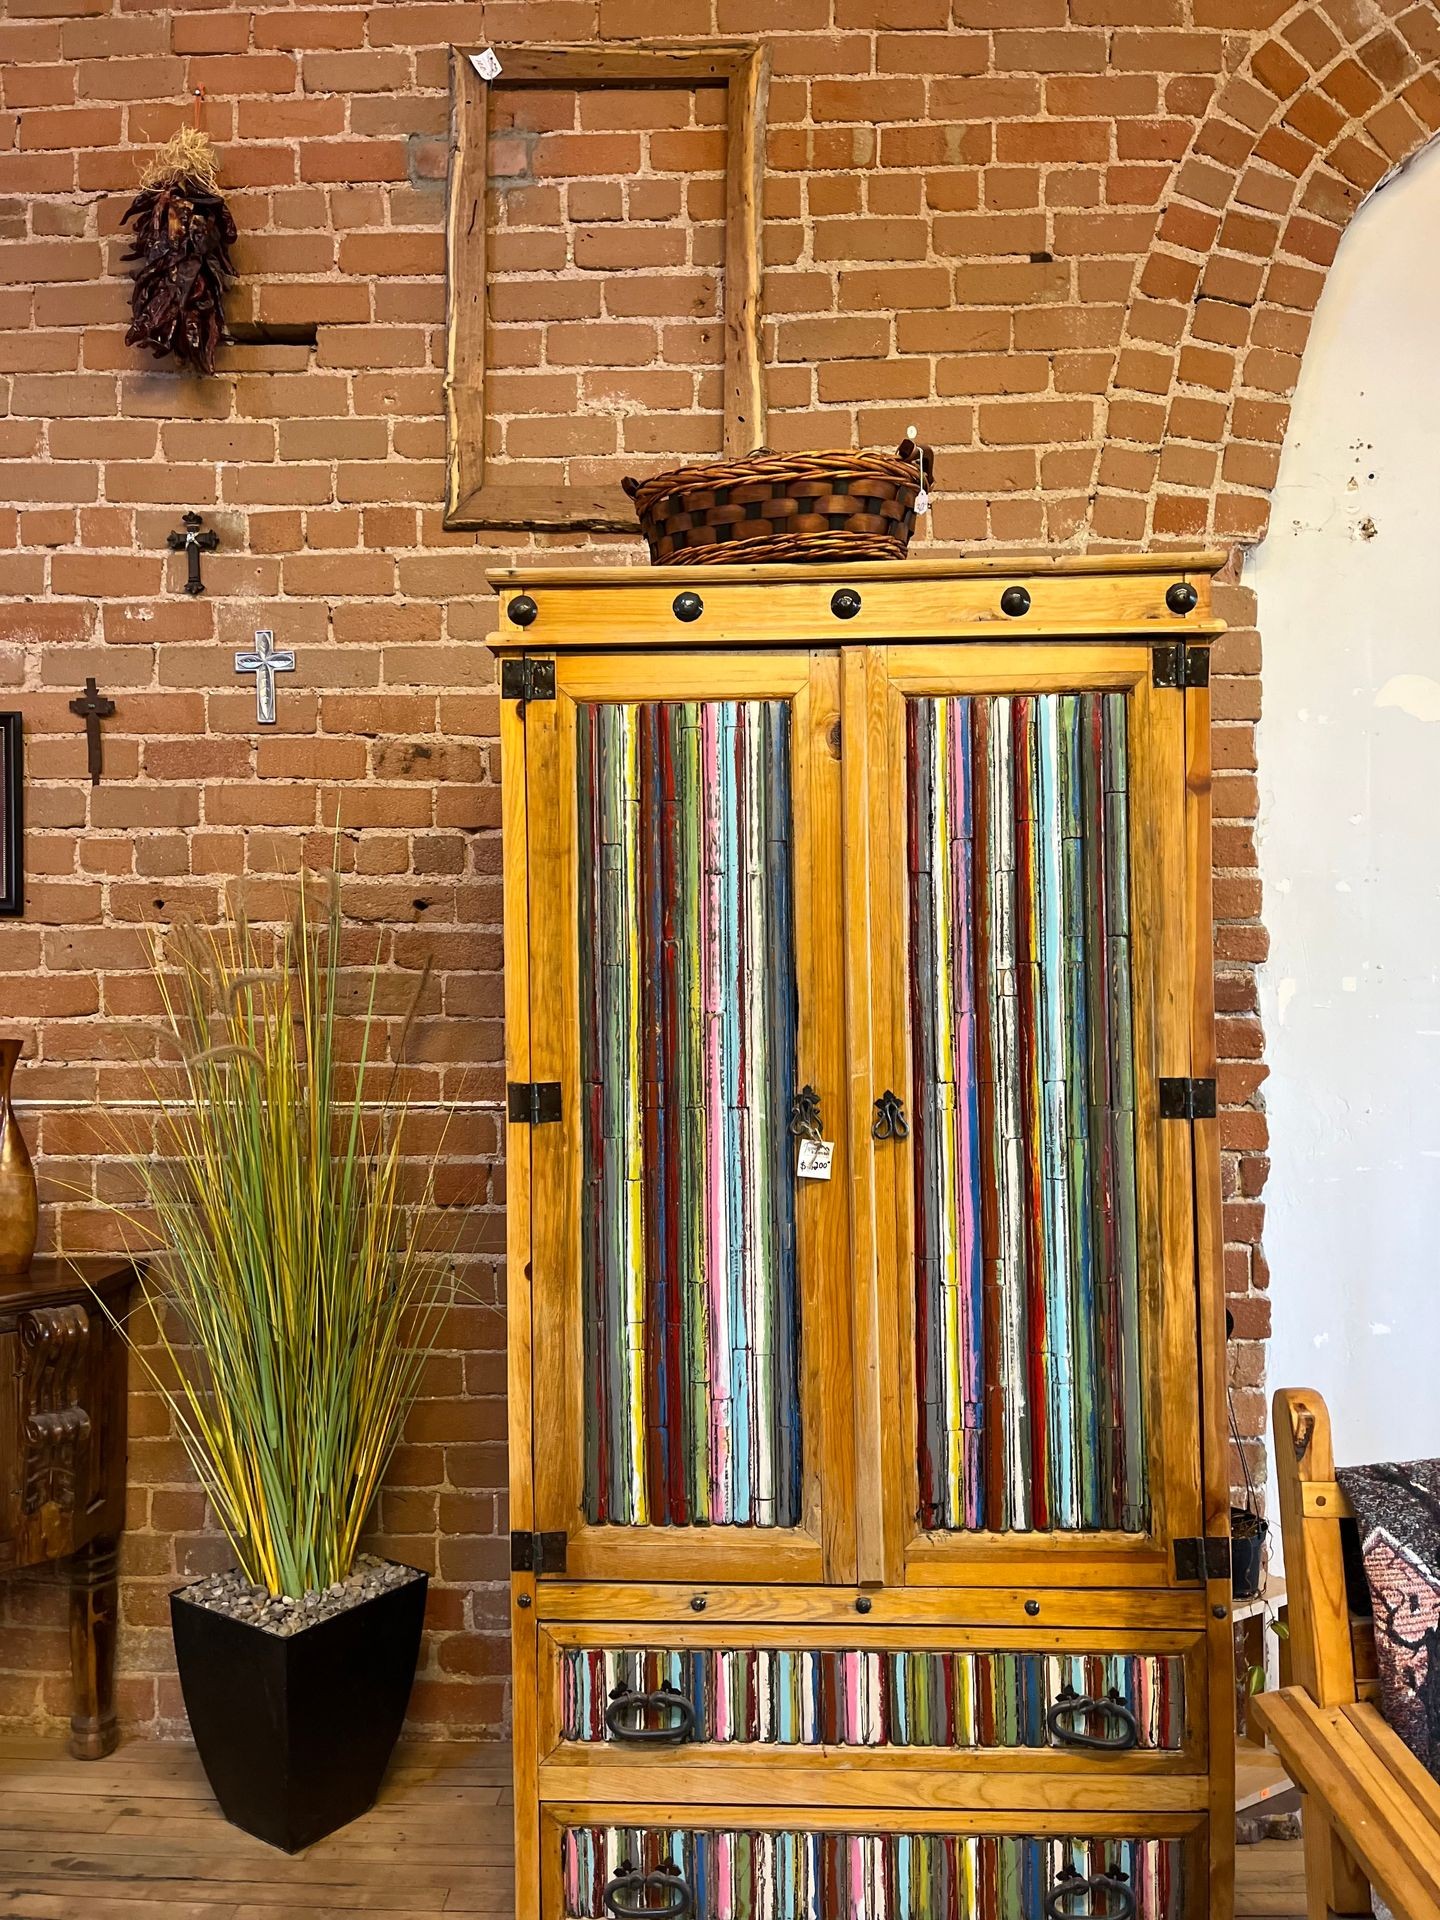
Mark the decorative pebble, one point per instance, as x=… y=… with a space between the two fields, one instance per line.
x=285 y=1614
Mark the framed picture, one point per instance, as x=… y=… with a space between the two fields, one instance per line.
x=12 y=815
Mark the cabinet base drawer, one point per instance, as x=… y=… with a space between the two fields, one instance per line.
x=912 y=1698
x=903 y=1865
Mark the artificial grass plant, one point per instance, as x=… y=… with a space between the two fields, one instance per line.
x=296 y=1304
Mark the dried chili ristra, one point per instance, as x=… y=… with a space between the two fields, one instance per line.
x=183 y=232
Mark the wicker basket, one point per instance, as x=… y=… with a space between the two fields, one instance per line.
x=783 y=507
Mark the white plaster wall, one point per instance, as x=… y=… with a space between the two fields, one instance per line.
x=1349 y=750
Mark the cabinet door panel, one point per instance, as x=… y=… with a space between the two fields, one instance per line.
x=690 y=1290
x=1045 y=1281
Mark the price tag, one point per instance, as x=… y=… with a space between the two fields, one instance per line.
x=486 y=63
x=922 y=504
x=814 y=1158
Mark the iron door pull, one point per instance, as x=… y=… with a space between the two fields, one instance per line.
x=1070 y=1886
x=805 y=1122
x=1070 y=1707
x=680 y=1728
x=890 y=1122
x=678 y=1899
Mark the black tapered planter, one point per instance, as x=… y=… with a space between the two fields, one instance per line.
x=295 y=1731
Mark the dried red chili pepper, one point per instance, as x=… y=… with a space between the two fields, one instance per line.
x=183 y=233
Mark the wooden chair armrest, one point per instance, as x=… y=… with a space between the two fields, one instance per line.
x=1365 y=1779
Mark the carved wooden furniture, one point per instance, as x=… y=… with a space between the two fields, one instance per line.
x=62 y=1459
x=871 y=1530
x=1372 y=1812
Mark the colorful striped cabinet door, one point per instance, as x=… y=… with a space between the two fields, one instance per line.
x=797 y=1875
x=688 y=1012
x=873 y=1697
x=1027 y=1287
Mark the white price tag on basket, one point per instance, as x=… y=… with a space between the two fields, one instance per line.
x=814 y=1159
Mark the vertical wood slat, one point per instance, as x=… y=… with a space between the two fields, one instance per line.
x=871 y=1207
x=1004 y=840
x=744 y=259
x=555 y=1193
x=465 y=279
x=524 y=1656
x=828 y=1313
x=1321 y=1651
x=1210 y=1288
x=696 y=792
x=1164 y=1150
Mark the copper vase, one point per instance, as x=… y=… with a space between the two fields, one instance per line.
x=19 y=1206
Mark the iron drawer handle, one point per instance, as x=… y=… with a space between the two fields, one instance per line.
x=680 y=1728
x=678 y=1899
x=890 y=1122
x=1070 y=1707
x=1071 y=1885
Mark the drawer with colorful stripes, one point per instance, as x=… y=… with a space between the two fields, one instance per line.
x=767 y=1703
x=915 y=1868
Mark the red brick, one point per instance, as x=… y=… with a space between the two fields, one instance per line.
x=353 y=160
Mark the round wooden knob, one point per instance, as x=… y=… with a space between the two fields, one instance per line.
x=523 y=611
x=1015 y=601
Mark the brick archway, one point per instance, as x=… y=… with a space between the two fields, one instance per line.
x=1319 y=113
x=1322 y=110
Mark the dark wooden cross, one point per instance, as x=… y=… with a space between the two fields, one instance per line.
x=93 y=707
x=192 y=543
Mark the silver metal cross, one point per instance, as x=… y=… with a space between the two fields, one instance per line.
x=265 y=662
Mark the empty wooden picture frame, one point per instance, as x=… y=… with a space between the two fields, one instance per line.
x=12 y=815
x=742 y=69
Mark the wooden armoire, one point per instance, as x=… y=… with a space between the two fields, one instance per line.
x=867 y=1414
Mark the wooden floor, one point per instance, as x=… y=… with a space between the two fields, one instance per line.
x=138 y=1837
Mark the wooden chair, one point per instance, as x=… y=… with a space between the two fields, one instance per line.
x=1372 y=1812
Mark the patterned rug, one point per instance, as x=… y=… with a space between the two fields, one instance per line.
x=1397 y=1509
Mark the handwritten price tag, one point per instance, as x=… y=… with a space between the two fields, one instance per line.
x=814 y=1159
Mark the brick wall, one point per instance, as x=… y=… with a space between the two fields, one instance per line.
x=1078 y=242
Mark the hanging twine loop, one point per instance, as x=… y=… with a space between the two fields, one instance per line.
x=188 y=154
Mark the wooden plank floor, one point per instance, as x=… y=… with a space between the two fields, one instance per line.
x=138 y=1837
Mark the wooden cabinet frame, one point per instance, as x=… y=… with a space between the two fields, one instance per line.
x=924 y=627
x=742 y=69
x=822 y=1548
x=1163 y=1039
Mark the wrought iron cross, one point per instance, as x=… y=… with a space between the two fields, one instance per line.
x=265 y=662
x=93 y=706
x=192 y=543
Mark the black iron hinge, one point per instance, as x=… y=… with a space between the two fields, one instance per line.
x=531 y=1103
x=1174 y=664
x=527 y=679
x=1199 y=1560
x=1187 y=1099
x=537 y=1552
